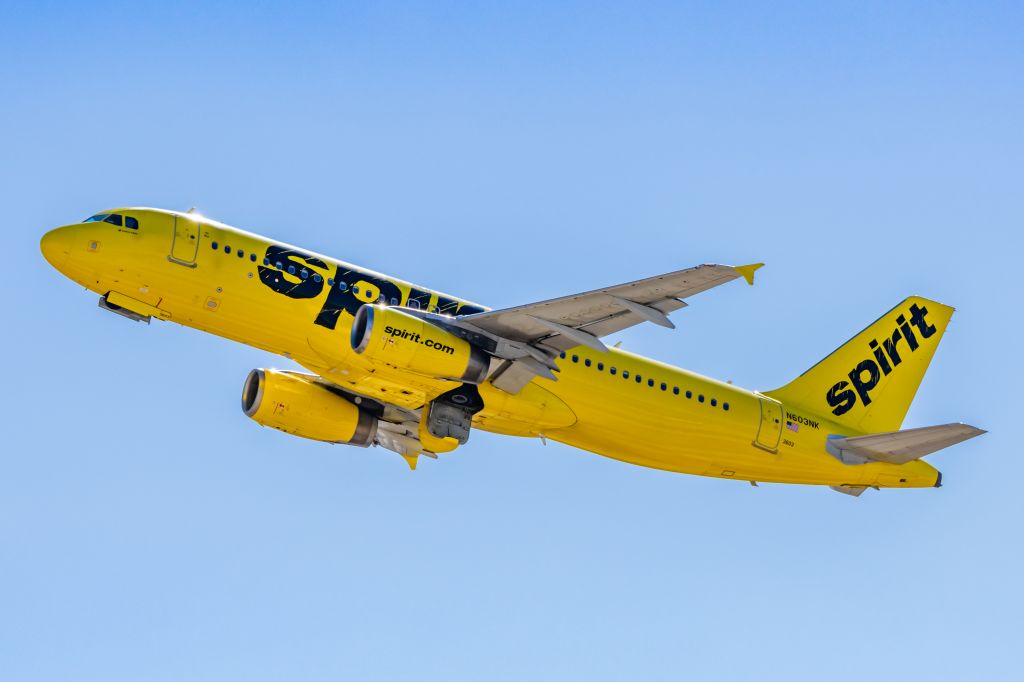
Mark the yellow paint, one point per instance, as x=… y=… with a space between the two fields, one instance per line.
x=401 y=341
x=748 y=271
x=170 y=258
x=293 y=403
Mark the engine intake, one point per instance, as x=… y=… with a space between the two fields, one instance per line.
x=391 y=337
x=296 y=404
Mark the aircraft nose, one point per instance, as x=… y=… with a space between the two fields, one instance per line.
x=56 y=246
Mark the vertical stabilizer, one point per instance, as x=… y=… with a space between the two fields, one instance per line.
x=868 y=383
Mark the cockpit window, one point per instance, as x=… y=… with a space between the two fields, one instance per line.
x=114 y=219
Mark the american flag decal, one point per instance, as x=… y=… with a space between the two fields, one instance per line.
x=791 y=426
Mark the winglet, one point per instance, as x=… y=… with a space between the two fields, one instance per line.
x=748 y=271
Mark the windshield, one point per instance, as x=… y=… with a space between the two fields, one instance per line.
x=114 y=219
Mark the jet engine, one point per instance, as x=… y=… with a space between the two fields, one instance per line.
x=296 y=404
x=391 y=337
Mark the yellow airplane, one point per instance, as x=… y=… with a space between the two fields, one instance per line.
x=414 y=370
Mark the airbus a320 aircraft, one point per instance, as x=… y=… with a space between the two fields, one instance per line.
x=414 y=370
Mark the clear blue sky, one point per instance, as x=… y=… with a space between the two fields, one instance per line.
x=864 y=151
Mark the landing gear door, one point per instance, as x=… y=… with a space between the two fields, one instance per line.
x=185 y=242
x=769 y=431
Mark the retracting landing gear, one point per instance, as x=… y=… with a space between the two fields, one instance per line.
x=448 y=418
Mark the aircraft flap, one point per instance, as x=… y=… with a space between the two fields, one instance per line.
x=899 y=447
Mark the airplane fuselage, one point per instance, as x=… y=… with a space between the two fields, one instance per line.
x=292 y=302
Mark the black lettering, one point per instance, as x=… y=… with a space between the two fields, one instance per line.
x=345 y=299
x=276 y=280
x=793 y=417
x=880 y=357
x=840 y=398
x=420 y=298
x=339 y=300
x=468 y=309
x=890 y=347
x=446 y=306
x=907 y=334
x=917 y=318
x=864 y=387
x=453 y=306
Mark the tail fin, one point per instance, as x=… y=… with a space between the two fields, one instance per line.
x=868 y=383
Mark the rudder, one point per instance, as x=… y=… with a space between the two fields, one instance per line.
x=868 y=383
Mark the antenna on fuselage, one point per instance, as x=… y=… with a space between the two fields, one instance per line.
x=191 y=210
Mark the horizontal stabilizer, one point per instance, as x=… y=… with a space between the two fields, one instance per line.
x=899 y=447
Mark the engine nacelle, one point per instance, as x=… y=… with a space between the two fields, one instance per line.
x=391 y=337
x=296 y=404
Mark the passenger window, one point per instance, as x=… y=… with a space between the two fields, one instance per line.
x=330 y=281
x=266 y=261
x=714 y=402
x=562 y=355
x=725 y=406
x=638 y=378
x=664 y=386
x=252 y=257
x=304 y=273
x=625 y=374
x=343 y=286
x=689 y=394
x=575 y=358
x=587 y=362
x=317 y=278
x=675 y=390
x=227 y=249
x=291 y=269
x=214 y=245
x=600 y=367
x=394 y=301
x=131 y=223
x=279 y=265
x=241 y=254
x=650 y=382
x=611 y=370
x=700 y=398
x=113 y=219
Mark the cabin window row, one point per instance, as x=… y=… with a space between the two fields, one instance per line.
x=303 y=273
x=651 y=383
x=238 y=252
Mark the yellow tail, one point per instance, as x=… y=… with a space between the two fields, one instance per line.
x=868 y=383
